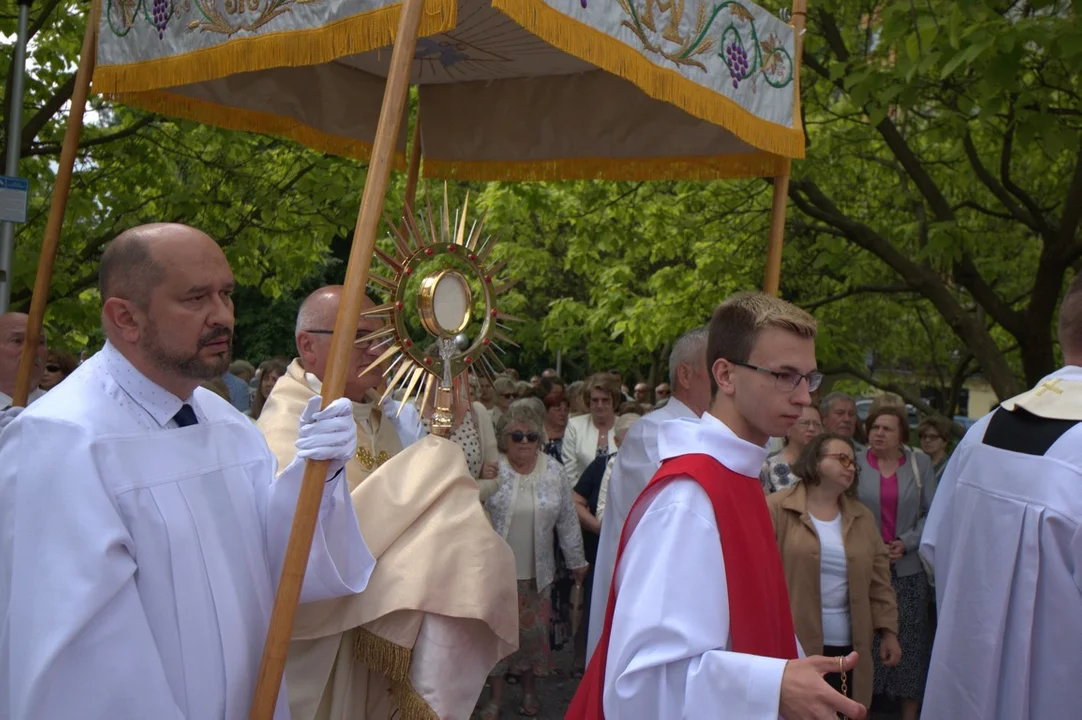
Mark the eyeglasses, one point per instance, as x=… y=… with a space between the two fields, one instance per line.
x=366 y=347
x=844 y=460
x=931 y=436
x=520 y=437
x=813 y=424
x=787 y=380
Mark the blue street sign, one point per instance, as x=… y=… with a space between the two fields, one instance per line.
x=14 y=193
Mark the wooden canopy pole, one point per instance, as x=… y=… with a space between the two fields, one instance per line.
x=781 y=182
x=345 y=331
x=59 y=204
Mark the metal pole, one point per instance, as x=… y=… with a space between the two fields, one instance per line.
x=14 y=138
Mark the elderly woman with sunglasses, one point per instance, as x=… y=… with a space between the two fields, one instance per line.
x=530 y=502
x=836 y=566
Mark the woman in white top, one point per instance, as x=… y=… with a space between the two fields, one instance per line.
x=590 y=436
x=836 y=566
x=531 y=501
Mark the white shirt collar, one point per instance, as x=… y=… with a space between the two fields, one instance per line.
x=158 y=402
x=709 y=436
x=678 y=409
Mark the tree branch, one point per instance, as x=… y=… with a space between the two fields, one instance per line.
x=100 y=140
x=859 y=290
x=47 y=112
x=1005 y=175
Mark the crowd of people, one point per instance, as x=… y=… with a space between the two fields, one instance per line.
x=728 y=538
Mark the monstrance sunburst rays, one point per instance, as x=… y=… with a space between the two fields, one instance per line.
x=417 y=254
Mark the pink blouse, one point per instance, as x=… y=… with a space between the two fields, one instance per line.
x=888 y=499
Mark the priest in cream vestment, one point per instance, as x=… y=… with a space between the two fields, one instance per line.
x=440 y=609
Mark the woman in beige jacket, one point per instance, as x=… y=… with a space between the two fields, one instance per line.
x=836 y=565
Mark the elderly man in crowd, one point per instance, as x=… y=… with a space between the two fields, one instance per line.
x=839 y=412
x=439 y=611
x=12 y=336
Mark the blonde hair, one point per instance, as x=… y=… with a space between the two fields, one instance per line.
x=737 y=322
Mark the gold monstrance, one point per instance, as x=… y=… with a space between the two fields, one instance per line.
x=441 y=287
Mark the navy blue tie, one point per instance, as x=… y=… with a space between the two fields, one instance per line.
x=185 y=416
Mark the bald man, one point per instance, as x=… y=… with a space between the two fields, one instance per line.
x=382 y=431
x=142 y=520
x=12 y=337
x=438 y=613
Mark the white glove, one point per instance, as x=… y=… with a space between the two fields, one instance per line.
x=329 y=434
x=7 y=415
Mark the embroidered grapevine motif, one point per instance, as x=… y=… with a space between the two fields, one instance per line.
x=657 y=26
x=225 y=17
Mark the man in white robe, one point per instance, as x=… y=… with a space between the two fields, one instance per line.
x=142 y=525
x=12 y=336
x=683 y=638
x=638 y=460
x=1004 y=536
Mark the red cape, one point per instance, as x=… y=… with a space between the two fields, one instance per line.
x=760 y=621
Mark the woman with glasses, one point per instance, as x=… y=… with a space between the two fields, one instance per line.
x=898 y=486
x=836 y=567
x=58 y=366
x=557 y=412
x=530 y=503
x=777 y=473
x=934 y=434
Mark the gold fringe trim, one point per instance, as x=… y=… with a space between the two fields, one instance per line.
x=719 y=167
x=287 y=48
x=611 y=55
x=393 y=662
x=230 y=118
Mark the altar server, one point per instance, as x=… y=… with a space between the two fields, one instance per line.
x=1005 y=538
x=142 y=527
x=638 y=460
x=698 y=623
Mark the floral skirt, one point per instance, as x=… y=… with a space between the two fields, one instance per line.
x=534 y=616
x=906 y=680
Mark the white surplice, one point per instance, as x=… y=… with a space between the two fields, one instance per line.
x=636 y=463
x=139 y=559
x=669 y=647
x=1004 y=537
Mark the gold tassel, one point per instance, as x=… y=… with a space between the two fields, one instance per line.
x=612 y=55
x=393 y=662
x=286 y=48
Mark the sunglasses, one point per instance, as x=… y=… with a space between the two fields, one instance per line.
x=52 y=368
x=844 y=460
x=509 y=396
x=519 y=436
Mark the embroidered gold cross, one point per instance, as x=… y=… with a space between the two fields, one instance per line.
x=1050 y=385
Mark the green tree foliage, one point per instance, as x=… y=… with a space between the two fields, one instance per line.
x=934 y=221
